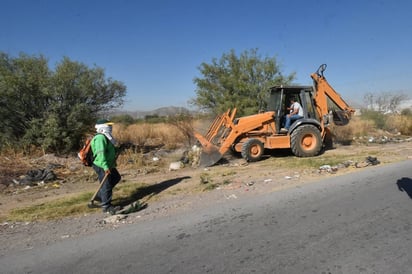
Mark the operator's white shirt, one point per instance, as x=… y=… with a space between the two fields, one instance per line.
x=296 y=105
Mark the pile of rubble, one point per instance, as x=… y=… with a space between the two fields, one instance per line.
x=37 y=177
x=369 y=161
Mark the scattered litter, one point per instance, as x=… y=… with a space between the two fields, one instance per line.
x=288 y=177
x=231 y=196
x=373 y=160
x=40 y=176
x=114 y=218
x=65 y=236
x=267 y=180
x=175 y=166
x=250 y=183
x=134 y=207
x=326 y=168
x=193 y=156
x=369 y=161
x=331 y=169
x=345 y=164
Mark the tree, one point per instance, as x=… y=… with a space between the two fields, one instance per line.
x=384 y=101
x=237 y=81
x=369 y=100
x=52 y=109
x=23 y=94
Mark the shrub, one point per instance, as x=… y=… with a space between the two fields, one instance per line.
x=377 y=117
x=357 y=127
x=406 y=112
x=399 y=123
x=125 y=119
x=342 y=134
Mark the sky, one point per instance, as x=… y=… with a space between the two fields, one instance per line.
x=155 y=47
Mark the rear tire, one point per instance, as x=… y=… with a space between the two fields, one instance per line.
x=306 y=141
x=252 y=150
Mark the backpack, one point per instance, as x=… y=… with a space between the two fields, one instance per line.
x=86 y=154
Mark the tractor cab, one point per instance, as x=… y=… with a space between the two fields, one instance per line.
x=279 y=101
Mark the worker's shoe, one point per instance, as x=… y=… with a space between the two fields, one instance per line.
x=93 y=205
x=112 y=210
x=284 y=130
x=98 y=199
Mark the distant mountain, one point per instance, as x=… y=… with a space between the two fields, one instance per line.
x=161 y=112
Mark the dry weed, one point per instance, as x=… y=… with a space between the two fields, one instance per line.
x=399 y=123
x=150 y=135
x=356 y=128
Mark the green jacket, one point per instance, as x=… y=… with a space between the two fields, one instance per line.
x=104 y=152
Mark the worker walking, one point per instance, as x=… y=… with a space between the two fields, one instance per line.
x=104 y=155
x=296 y=112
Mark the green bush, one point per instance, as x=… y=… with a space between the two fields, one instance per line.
x=52 y=108
x=377 y=117
x=125 y=119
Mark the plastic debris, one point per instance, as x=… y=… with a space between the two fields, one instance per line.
x=175 y=166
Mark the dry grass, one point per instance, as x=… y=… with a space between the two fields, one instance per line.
x=150 y=135
x=12 y=165
x=356 y=128
x=399 y=123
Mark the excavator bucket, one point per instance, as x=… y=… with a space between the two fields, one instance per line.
x=341 y=117
x=215 y=136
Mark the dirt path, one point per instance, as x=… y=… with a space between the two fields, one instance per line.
x=175 y=192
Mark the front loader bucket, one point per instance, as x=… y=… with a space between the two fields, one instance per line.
x=210 y=153
x=215 y=142
x=210 y=157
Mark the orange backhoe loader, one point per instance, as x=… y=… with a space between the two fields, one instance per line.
x=251 y=135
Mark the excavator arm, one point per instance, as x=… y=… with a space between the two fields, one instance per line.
x=325 y=91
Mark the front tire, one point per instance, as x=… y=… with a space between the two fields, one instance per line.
x=306 y=141
x=252 y=150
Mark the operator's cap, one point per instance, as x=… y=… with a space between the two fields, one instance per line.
x=104 y=122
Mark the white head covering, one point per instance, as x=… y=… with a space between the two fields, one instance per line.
x=105 y=127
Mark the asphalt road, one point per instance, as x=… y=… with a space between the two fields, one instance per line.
x=357 y=223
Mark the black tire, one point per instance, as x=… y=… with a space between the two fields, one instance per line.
x=306 y=141
x=252 y=150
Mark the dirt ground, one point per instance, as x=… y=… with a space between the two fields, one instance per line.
x=173 y=192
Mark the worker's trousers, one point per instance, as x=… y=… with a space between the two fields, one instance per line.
x=106 y=191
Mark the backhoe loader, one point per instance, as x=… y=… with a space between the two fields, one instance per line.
x=251 y=135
